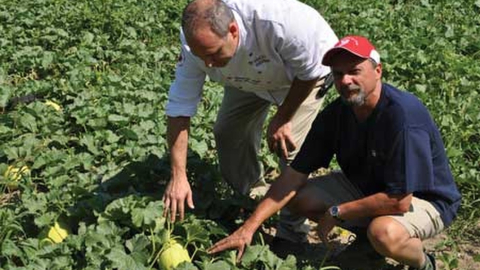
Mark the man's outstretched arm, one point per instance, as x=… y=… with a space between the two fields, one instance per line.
x=178 y=189
x=279 y=194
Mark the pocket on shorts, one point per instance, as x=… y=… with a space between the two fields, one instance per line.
x=422 y=221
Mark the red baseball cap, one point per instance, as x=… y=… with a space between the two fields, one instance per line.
x=357 y=45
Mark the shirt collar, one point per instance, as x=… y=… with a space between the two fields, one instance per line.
x=241 y=31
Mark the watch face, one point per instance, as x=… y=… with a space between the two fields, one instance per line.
x=334 y=211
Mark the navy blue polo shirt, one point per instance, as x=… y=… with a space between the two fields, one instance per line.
x=397 y=150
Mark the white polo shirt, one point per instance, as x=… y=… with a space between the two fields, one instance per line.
x=278 y=41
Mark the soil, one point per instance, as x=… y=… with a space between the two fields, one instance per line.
x=355 y=253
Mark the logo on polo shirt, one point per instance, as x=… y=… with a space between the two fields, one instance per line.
x=257 y=61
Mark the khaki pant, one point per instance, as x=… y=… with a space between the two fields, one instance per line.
x=421 y=221
x=238 y=134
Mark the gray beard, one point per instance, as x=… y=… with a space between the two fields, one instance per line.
x=355 y=101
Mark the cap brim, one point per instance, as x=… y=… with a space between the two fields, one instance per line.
x=328 y=57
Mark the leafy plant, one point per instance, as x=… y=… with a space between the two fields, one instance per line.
x=100 y=159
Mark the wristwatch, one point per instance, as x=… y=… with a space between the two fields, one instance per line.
x=334 y=211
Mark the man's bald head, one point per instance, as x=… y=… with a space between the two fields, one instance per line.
x=214 y=14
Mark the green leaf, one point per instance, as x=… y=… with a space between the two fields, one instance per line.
x=90 y=142
x=120 y=260
x=137 y=217
x=420 y=87
x=186 y=266
x=111 y=137
x=131 y=32
x=291 y=262
x=29 y=122
x=12 y=153
x=147 y=125
x=47 y=59
x=220 y=265
x=109 y=228
x=147 y=215
x=450 y=31
x=196 y=232
x=114 y=78
x=9 y=248
x=199 y=147
x=118 y=119
x=137 y=243
x=454 y=152
x=87 y=38
x=252 y=254
x=138 y=248
x=97 y=123
x=129 y=133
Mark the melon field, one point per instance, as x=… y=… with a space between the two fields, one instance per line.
x=83 y=151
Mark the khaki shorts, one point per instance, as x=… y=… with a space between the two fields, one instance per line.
x=421 y=221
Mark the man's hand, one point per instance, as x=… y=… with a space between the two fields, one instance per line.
x=325 y=226
x=177 y=191
x=279 y=136
x=237 y=240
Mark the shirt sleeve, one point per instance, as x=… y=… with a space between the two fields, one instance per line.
x=409 y=167
x=302 y=47
x=185 y=91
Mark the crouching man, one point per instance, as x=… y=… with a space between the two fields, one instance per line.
x=394 y=180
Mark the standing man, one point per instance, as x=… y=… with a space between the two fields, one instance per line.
x=264 y=53
x=395 y=179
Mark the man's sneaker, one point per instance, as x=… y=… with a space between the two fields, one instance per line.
x=430 y=263
x=283 y=247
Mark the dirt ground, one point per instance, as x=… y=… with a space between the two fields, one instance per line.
x=355 y=253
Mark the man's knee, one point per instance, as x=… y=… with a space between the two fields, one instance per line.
x=306 y=203
x=386 y=235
